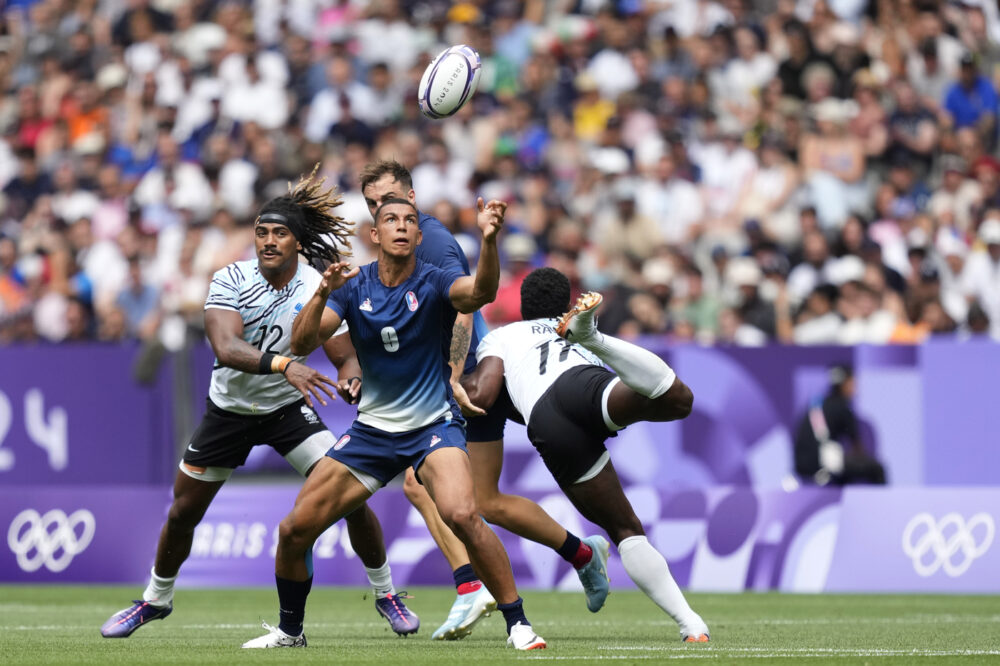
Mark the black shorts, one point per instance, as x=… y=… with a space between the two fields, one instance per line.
x=224 y=439
x=567 y=423
x=489 y=427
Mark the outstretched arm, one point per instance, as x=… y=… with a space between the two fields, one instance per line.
x=485 y=382
x=469 y=294
x=341 y=353
x=316 y=323
x=225 y=333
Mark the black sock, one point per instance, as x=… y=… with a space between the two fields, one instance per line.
x=464 y=574
x=292 y=601
x=570 y=546
x=513 y=613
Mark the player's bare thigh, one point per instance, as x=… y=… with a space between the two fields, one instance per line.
x=330 y=492
x=626 y=406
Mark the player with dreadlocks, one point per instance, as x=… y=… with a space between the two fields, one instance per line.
x=261 y=393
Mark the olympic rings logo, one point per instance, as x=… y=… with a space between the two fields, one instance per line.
x=952 y=543
x=51 y=540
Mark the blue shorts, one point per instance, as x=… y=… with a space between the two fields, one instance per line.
x=385 y=454
x=489 y=427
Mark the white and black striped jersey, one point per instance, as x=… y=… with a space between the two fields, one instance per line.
x=533 y=356
x=267 y=325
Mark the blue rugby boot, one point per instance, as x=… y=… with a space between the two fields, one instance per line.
x=127 y=620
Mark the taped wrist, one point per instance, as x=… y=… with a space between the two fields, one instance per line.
x=272 y=363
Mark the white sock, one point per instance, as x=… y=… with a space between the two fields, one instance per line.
x=381 y=581
x=160 y=591
x=642 y=371
x=650 y=572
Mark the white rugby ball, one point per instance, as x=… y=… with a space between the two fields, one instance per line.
x=449 y=81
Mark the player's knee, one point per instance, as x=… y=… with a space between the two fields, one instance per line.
x=489 y=501
x=359 y=516
x=292 y=535
x=462 y=520
x=677 y=402
x=184 y=515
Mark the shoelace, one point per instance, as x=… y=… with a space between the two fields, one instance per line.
x=399 y=611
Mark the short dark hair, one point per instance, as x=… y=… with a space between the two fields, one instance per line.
x=544 y=294
x=379 y=168
x=393 y=202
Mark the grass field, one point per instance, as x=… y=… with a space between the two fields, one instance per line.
x=60 y=625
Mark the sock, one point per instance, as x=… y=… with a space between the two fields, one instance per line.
x=651 y=574
x=160 y=591
x=642 y=371
x=513 y=613
x=381 y=581
x=464 y=574
x=575 y=551
x=292 y=603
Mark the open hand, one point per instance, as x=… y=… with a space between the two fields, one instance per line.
x=309 y=383
x=462 y=398
x=490 y=217
x=334 y=277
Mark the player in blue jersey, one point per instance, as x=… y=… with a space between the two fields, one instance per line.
x=401 y=312
x=386 y=179
x=263 y=394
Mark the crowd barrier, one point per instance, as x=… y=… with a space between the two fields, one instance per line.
x=720 y=539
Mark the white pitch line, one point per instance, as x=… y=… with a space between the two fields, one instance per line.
x=701 y=653
x=750 y=651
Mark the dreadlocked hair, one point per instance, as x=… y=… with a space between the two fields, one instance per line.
x=324 y=236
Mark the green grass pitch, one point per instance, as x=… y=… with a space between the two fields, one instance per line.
x=60 y=625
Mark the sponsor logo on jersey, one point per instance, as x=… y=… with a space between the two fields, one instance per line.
x=342 y=442
x=309 y=415
x=298 y=308
x=366 y=306
x=434 y=440
x=411 y=301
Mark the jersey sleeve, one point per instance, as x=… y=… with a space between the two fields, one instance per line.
x=491 y=345
x=224 y=290
x=442 y=279
x=440 y=248
x=338 y=301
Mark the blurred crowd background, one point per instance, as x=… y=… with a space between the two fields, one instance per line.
x=732 y=172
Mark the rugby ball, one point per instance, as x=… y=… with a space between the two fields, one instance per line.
x=449 y=81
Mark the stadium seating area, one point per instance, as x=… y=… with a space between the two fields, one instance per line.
x=734 y=172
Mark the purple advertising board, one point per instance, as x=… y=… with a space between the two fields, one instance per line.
x=719 y=539
x=74 y=414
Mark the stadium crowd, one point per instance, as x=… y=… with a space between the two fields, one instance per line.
x=732 y=172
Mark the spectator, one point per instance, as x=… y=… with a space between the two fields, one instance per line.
x=828 y=446
x=833 y=163
x=981 y=275
x=954 y=202
x=913 y=132
x=139 y=303
x=972 y=102
x=672 y=135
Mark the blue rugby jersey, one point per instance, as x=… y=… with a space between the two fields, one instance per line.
x=402 y=336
